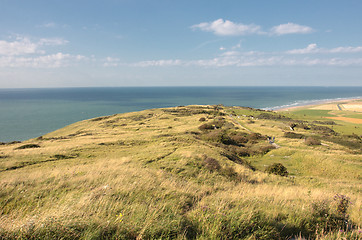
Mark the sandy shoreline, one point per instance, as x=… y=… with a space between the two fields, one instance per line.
x=322 y=102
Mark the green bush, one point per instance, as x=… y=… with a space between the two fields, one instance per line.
x=219 y=136
x=293 y=135
x=240 y=151
x=239 y=138
x=277 y=169
x=28 y=146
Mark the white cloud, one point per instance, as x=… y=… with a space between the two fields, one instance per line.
x=22 y=52
x=346 y=50
x=18 y=47
x=24 y=46
x=312 y=48
x=52 y=41
x=46 y=61
x=227 y=28
x=111 y=62
x=255 y=59
x=49 y=25
x=290 y=28
x=159 y=63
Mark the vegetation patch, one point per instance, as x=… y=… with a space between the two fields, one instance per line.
x=277 y=169
x=273 y=116
x=211 y=164
x=31 y=145
x=101 y=118
x=171 y=180
x=353 y=142
x=9 y=143
x=293 y=135
x=311 y=141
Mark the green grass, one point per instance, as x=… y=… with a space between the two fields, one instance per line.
x=144 y=175
x=309 y=113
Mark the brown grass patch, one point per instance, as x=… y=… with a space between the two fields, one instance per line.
x=346 y=119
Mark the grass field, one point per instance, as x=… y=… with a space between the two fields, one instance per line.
x=194 y=172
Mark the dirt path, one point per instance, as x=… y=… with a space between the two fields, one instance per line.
x=238 y=123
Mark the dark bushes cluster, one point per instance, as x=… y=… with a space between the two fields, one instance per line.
x=353 y=141
x=273 y=116
x=216 y=124
x=293 y=135
x=28 y=146
x=277 y=169
x=322 y=129
x=325 y=122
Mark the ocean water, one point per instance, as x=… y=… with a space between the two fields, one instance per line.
x=29 y=113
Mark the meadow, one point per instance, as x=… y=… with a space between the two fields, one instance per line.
x=189 y=172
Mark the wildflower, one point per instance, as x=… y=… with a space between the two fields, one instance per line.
x=120 y=217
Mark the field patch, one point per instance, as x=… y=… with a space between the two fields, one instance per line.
x=346 y=119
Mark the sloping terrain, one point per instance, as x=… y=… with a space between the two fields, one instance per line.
x=194 y=172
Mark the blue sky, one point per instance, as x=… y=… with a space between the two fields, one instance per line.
x=86 y=43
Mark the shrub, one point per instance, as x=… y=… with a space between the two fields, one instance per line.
x=206 y=126
x=211 y=164
x=28 y=146
x=265 y=148
x=273 y=116
x=240 y=151
x=323 y=129
x=202 y=119
x=310 y=141
x=346 y=141
x=219 y=123
x=255 y=136
x=277 y=169
x=332 y=216
x=61 y=156
x=229 y=171
x=293 y=135
x=343 y=203
x=219 y=136
x=239 y=138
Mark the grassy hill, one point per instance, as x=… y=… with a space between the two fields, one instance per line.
x=194 y=172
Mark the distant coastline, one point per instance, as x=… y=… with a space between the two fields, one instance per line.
x=314 y=103
x=30 y=113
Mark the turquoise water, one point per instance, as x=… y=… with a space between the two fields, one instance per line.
x=29 y=113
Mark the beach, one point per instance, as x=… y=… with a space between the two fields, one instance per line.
x=354 y=104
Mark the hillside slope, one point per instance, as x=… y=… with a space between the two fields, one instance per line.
x=194 y=172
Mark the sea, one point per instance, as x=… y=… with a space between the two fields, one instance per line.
x=30 y=113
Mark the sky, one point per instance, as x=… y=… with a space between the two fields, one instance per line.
x=111 y=43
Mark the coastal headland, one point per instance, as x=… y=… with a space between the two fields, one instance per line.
x=189 y=172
